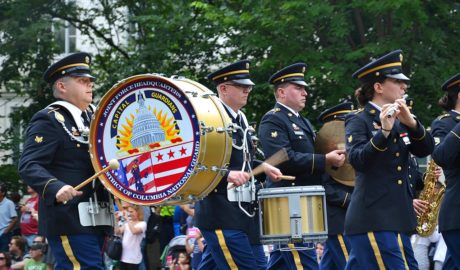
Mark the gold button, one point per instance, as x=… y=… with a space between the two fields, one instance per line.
x=410 y=176
x=399 y=168
x=394 y=140
x=215 y=190
x=397 y=154
x=410 y=185
x=78 y=145
x=399 y=182
x=293 y=184
x=300 y=137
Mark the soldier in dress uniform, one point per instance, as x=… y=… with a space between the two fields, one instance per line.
x=446 y=132
x=379 y=140
x=338 y=195
x=56 y=158
x=227 y=229
x=284 y=127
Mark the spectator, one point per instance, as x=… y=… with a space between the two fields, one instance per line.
x=133 y=230
x=29 y=217
x=8 y=218
x=194 y=245
x=182 y=262
x=17 y=248
x=319 y=251
x=5 y=261
x=37 y=252
x=38 y=240
x=153 y=240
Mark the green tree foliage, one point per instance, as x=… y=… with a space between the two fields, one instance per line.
x=193 y=38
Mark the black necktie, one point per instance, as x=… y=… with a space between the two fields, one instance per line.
x=86 y=118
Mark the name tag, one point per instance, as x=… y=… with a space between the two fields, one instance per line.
x=298 y=133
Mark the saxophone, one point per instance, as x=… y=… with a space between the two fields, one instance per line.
x=433 y=193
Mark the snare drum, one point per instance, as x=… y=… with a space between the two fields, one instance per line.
x=171 y=136
x=292 y=214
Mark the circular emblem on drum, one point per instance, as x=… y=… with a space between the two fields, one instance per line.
x=150 y=126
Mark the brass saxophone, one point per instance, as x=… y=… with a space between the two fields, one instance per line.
x=433 y=193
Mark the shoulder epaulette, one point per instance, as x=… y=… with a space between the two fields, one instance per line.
x=443 y=116
x=358 y=111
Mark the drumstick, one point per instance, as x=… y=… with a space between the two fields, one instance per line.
x=113 y=165
x=275 y=159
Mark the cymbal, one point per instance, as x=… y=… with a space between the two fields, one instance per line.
x=332 y=137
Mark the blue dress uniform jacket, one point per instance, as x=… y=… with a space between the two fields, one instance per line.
x=215 y=211
x=52 y=159
x=279 y=128
x=338 y=198
x=381 y=200
x=446 y=131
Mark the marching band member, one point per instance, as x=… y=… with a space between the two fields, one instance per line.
x=56 y=158
x=446 y=131
x=338 y=195
x=225 y=227
x=379 y=140
x=284 y=127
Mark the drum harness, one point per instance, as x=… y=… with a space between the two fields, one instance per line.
x=246 y=192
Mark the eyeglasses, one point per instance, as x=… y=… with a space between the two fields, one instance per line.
x=247 y=88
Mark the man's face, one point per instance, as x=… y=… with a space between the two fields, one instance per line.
x=78 y=91
x=13 y=247
x=235 y=95
x=293 y=95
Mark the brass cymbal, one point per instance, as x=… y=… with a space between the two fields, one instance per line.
x=332 y=137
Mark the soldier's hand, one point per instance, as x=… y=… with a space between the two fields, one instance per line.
x=66 y=193
x=272 y=172
x=238 y=178
x=336 y=158
x=420 y=206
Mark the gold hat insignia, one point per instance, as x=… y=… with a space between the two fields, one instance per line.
x=87 y=60
x=274 y=134
x=400 y=57
x=38 y=139
x=247 y=65
x=303 y=69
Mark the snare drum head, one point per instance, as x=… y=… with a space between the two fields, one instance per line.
x=150 y=126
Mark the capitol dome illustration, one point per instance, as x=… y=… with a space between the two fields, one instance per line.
x=146 y=127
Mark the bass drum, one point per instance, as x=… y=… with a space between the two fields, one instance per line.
x=171 y=137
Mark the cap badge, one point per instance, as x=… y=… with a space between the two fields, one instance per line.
x=274 y=134
x=303 y=70
x=400 y=57
x=59 y=117
x=87 y=60
x=247 y=65
x=38 y=139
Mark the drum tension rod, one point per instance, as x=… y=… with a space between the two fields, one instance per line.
x=205 y=129
x=194 y=93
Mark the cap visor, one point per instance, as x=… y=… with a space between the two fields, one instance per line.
x=83 y=75
x=243 y=82
x=299 y=83
x=398 y=76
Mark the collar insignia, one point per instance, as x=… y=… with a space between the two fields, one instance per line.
x=295 y=127
x=274 y=134
x=59 y=117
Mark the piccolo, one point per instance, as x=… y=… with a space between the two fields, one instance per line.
x=392 y=111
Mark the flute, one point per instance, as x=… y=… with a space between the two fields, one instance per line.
x=392 y=111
